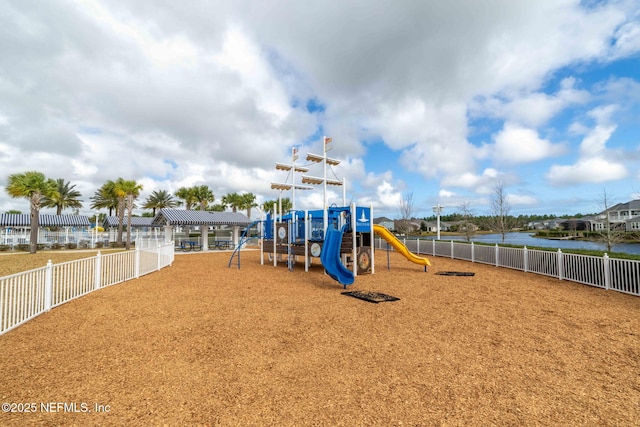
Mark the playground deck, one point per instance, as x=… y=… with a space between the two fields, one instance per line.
x=201 y=343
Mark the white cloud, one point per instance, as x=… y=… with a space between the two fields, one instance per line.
x=594 y=143
x=595 y=163
x=594 y=170
x=627 y=38
x=446 y=194
x=481 y=184
x=216 y=93
x=522 y=200
x=521 y=145
x=532 y=109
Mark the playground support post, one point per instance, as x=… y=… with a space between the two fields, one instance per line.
x=372 y=240
x=261 y=231
x=306 y=240
x=275 y=233
x=354 y=250
x=325 y=215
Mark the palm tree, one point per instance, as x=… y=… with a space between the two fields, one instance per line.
x=233 y=201
x=119 y=195
x=203 y=196
x=35 y=187
x=249 y=202
x=64 y=197
x=272 y=205
x=187 y=196
x=189 y=200
x=128 y=192
x=159 y=199
x=105 y=198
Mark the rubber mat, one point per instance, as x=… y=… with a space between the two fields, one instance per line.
x=375 y=297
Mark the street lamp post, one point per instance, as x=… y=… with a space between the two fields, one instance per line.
x=437 y=209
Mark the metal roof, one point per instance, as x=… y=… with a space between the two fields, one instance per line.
x=136 y=222
x=24 y=220
x=188 y=217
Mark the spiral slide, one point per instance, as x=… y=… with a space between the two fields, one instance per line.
x=330 y=258
x=399 y=246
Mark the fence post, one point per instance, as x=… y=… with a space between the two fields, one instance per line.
x=607 y=271
x=560 y=265
x=418 y=245
x=48 y=286
x=473 y=252
x=497 y=256
x=137 y=262
x=525 y=254
x=159 y=250
x=433 y=246
x=98 y=272
x=451 y=249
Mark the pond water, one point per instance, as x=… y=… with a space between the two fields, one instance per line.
x=527 y=239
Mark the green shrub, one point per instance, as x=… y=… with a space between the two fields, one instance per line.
x=4 y=248
x=71 y=245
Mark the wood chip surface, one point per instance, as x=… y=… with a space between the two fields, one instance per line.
x=199 y=343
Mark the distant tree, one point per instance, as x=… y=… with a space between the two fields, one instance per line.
x=187 y=196
x=118 y=194
x=188 y=201
x=218 y=207
x=609 y=235
x=105 y=198
x=202 y=195
x=64 y=197
x=35 y=187
x=159 y=199
x=13 y=212
x=467 y=227
x=405 y=205
x=127 y=191
x=272 y=205
x=234 y=201
x=501 y=222
x=249 y=202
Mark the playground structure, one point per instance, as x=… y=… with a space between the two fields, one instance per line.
x=344 y=248
x=340 y=236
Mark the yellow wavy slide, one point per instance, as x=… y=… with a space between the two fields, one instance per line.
x=399 y=246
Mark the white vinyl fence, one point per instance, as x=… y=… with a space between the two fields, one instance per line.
x=602 y=272
x=25 y=295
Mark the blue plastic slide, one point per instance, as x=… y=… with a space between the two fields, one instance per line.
x=330 y=258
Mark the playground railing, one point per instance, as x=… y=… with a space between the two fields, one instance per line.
x=602 y=272
x=25 y=295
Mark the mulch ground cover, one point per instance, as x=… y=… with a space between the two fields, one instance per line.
x=201 y=343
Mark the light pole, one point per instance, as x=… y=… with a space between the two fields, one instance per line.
x=437 y=209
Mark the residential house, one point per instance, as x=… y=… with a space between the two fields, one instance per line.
x=623 y=217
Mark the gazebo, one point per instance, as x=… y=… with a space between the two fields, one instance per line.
x=170 y=218
x=15 y=227
x=138 y=224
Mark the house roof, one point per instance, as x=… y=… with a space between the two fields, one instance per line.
x=24 y=220
x=632 y=205
x=136 y=222
x=188 y=217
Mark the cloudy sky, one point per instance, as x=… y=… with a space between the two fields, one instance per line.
x=440 y=99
